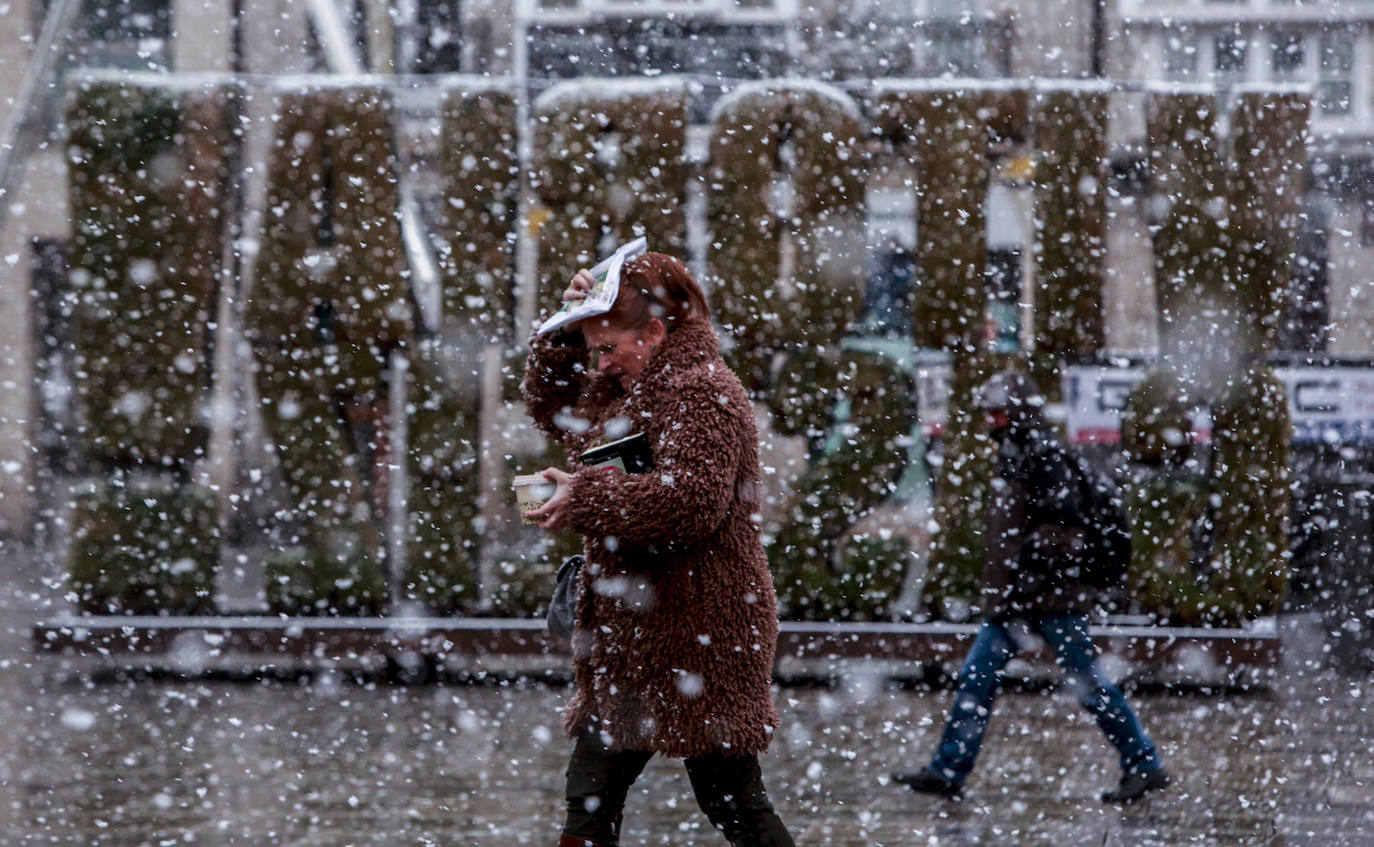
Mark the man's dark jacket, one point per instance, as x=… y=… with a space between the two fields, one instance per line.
x=1034 y=527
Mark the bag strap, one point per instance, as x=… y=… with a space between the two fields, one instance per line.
x=572 y=563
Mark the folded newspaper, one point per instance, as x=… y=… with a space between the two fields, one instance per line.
x=602 y=296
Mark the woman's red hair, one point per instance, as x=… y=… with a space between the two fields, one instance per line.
x=656 y=285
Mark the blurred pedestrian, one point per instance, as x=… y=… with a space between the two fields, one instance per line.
x=1034 y=531
x=676 y=621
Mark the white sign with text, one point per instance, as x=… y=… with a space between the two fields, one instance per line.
x=1327 y=403
x=1331 y=403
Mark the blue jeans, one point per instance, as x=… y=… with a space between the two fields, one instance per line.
x=980 y=681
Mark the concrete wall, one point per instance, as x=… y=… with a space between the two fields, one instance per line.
x=493 y=22
x=17 y=29
x=1050 y=38
x=202 y=36
x=1129 y=321
x=274 y=32
x=39 y=210
x=1350 y=286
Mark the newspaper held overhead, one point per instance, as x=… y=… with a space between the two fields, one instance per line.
x=602 y=296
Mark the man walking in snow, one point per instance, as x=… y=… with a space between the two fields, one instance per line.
x=1030 y=585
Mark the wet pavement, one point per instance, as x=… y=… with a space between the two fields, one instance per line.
x=337 y=762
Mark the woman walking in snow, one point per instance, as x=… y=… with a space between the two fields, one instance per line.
x=676 y=616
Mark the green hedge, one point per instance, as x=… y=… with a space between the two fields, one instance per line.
x=330 y=270
x=1070 y=220
x=146 y=165
x=961 y=489
x=744 y=256
x=1224 y=245
x=1241 y=572
x=821 y=570
x=146 y=551
x=1251 y=431
x=803 y=390
x=145 y=168
x=477 y=221
x=586 y=198
x=946 y=132
x=477 y=217
x=1268 y=163
x=1156 y=424
x=791 y=285
x=1188 y=196
x=1223 y=249
x=1165 y=507
x=445 y=535
x=950 y=298
x=342 y=577
x=328 y=306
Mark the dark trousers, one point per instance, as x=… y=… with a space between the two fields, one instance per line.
x=729 y=790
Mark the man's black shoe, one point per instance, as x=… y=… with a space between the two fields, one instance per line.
x=1136 y=785
x=928 y=781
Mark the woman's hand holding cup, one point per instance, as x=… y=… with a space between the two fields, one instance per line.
x=554 y=513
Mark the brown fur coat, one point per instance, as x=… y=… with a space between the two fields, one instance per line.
x=677 y=620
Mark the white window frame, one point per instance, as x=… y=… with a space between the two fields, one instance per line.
x=588 y=10
x=1323 y=76
x=1205 y=40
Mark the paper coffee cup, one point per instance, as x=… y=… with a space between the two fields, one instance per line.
x=531 y=492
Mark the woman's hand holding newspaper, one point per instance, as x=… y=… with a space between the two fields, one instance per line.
x=580 y=286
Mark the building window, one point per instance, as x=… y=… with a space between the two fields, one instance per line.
x=1288 y=55
x=1180 y=56
x=1230 y=49
x=438 y=31
x=954 y=54
x=1336 y=60
x=951 y=48
x=133 y=35
x=716 y=53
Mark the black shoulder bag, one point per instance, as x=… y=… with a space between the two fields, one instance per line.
x=563 y=605
x=631 y=454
